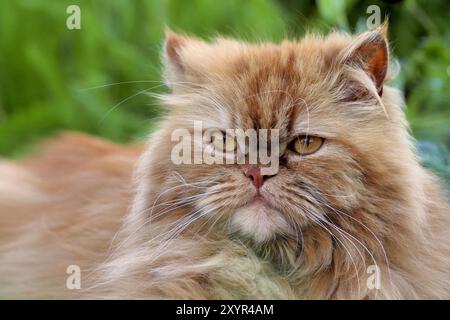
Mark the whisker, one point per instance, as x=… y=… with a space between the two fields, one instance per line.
x=125 y=100
x=180 y=228
x=345 y=248
x=118 y=83
x=373 y=234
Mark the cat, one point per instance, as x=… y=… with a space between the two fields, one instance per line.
x=350 y=213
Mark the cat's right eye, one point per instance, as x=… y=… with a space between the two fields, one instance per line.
x=224 y=142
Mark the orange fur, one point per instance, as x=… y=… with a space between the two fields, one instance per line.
x=58 y=209
x=362 y=199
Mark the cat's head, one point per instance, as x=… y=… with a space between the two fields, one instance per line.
x=341 y=130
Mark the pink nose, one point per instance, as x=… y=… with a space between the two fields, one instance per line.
x=254 y=173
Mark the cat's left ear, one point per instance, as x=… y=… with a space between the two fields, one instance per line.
x=370 y=52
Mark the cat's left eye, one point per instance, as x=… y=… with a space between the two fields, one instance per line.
x=305 y=145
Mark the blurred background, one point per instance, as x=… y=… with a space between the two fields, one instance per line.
x=95 y=79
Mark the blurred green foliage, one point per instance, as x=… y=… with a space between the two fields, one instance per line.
x=52 y=78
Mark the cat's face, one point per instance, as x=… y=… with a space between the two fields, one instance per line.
x=324 y=98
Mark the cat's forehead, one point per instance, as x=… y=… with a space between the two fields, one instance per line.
x=261 y=86
x=272 y=85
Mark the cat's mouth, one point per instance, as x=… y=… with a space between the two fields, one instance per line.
x=259 y=219
x=260 y=200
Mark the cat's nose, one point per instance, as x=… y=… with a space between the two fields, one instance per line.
x=254 y=173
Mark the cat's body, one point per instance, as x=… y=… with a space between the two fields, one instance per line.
x=359 y=205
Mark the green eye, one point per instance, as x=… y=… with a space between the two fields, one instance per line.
x=305 y=145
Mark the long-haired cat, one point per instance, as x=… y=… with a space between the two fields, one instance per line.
x=350 y=214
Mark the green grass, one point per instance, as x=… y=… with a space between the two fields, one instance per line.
x=46 y=69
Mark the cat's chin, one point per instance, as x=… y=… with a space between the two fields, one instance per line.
x=259 y=221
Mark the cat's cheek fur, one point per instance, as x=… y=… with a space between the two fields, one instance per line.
x=259 y=222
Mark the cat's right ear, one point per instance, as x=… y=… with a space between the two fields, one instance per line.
x=175 y=60
x=173 y=47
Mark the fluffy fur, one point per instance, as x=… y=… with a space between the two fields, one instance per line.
x=194 y=231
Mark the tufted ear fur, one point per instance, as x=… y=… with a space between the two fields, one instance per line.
x=370 y=52
x=175 y=46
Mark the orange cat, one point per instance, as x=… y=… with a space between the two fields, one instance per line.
x=349 y=213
